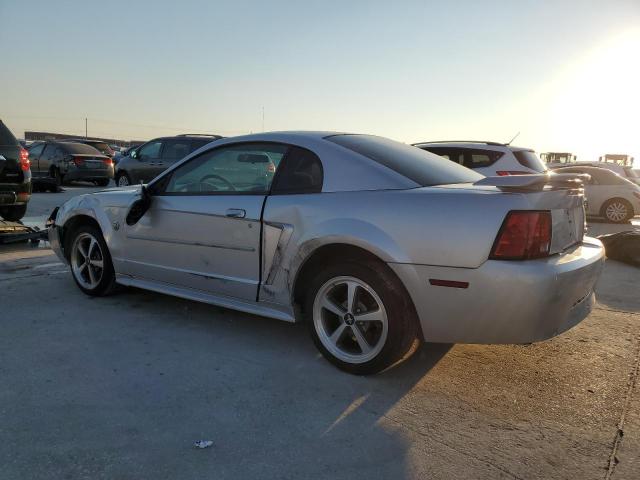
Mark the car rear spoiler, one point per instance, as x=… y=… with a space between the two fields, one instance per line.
x=536 y=182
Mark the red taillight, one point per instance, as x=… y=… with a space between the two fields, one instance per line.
x=504 y=173
x=108 y=162
x=25 y=164
x=78 y=161
x=523 y=235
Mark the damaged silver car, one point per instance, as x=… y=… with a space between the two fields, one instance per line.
x=372 y=242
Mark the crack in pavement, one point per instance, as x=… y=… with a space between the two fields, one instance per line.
x=631 y=385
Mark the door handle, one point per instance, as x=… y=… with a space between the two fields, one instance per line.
x=236 y=213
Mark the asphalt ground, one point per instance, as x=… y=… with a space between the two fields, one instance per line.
x=121 y=387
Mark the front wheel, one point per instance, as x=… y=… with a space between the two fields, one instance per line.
x=90 y=261
x=617 y=210
x=360 y=317
x=123 y=180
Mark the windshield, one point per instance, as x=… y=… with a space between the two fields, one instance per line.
x=79 y=148
x=529 y=159
x=424 y=168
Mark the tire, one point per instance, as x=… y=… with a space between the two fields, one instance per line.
x=13 y=213
x=87 y=242
x=103 y=182
x=123 y=179
x=617 y=210
x=337 y=332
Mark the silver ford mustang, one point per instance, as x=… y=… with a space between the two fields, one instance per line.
x=374 y=243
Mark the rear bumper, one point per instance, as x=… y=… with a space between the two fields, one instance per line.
x=506 y=301
x=88 y=174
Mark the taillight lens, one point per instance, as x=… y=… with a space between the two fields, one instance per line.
x=108 y=162
x=523 y=235
x=25 y=164
x=78 y=161
x=504 y=173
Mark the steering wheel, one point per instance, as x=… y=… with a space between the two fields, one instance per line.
x=218 y=177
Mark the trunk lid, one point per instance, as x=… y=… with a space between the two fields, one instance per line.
x=561 y=194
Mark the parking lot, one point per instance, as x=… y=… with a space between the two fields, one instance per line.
x=122 y=386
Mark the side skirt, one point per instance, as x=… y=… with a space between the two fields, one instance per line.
x=272 y=311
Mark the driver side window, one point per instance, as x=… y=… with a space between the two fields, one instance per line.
x=240 y=169
x=150 y=150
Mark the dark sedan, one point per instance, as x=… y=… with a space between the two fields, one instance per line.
x=57 y=162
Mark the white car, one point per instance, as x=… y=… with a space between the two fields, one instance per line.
x=608 y=195
x=488 y=158
x=625 y=172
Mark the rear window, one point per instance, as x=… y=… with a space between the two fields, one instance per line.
x=79 y=148
x=529 y=159
x=6 y=137
x=422 y=167
x=469 y=157
x=103 y=147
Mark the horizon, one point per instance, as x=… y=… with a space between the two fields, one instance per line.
x=564 y=76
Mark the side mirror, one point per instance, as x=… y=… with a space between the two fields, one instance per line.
x=139 y=207
x=134 y=154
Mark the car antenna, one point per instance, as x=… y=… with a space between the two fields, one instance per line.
x=515 y=136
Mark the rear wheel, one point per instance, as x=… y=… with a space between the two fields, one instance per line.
x=13 y=213
x=617 y=210
x=123 y=180
x=360 y=317
x=90 y=261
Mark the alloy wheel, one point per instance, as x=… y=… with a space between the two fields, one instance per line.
x=87 y=261
x=616 y=211
x=350 y=319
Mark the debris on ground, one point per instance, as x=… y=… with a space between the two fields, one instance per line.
x=623 y=247
x=203 y=444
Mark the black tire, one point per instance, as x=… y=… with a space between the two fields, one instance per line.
x=103 y=182
x=13 y=213
x=621 y=205
x=123 y=177
x=107 y=282
x=402 y=320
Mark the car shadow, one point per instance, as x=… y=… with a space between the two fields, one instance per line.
x=265 y=389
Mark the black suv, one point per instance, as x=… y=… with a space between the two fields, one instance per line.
x=150 y=159
x=15 y=176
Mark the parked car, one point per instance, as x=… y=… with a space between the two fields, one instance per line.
x=15 y=176
x=624 y=171
x=371 y=241
x=152 y=158
x=608 y=194
x=101 y=146
x=57 y=162
x=488 y=158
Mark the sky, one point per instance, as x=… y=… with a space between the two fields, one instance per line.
x=566 y=75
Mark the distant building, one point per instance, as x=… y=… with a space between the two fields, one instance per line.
x=558 y=158
x=35 y=136
x=620 y=159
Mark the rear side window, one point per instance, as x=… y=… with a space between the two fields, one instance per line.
x=36 y=149
x=6 y=137
x=196 y=144
x=422 y=167
x=301 y=172
x=529 y=159
x=176 y=148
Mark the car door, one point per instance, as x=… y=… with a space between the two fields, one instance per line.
x=35 y=153
x=143 y=169
x=46 y=159
x=202 y=230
